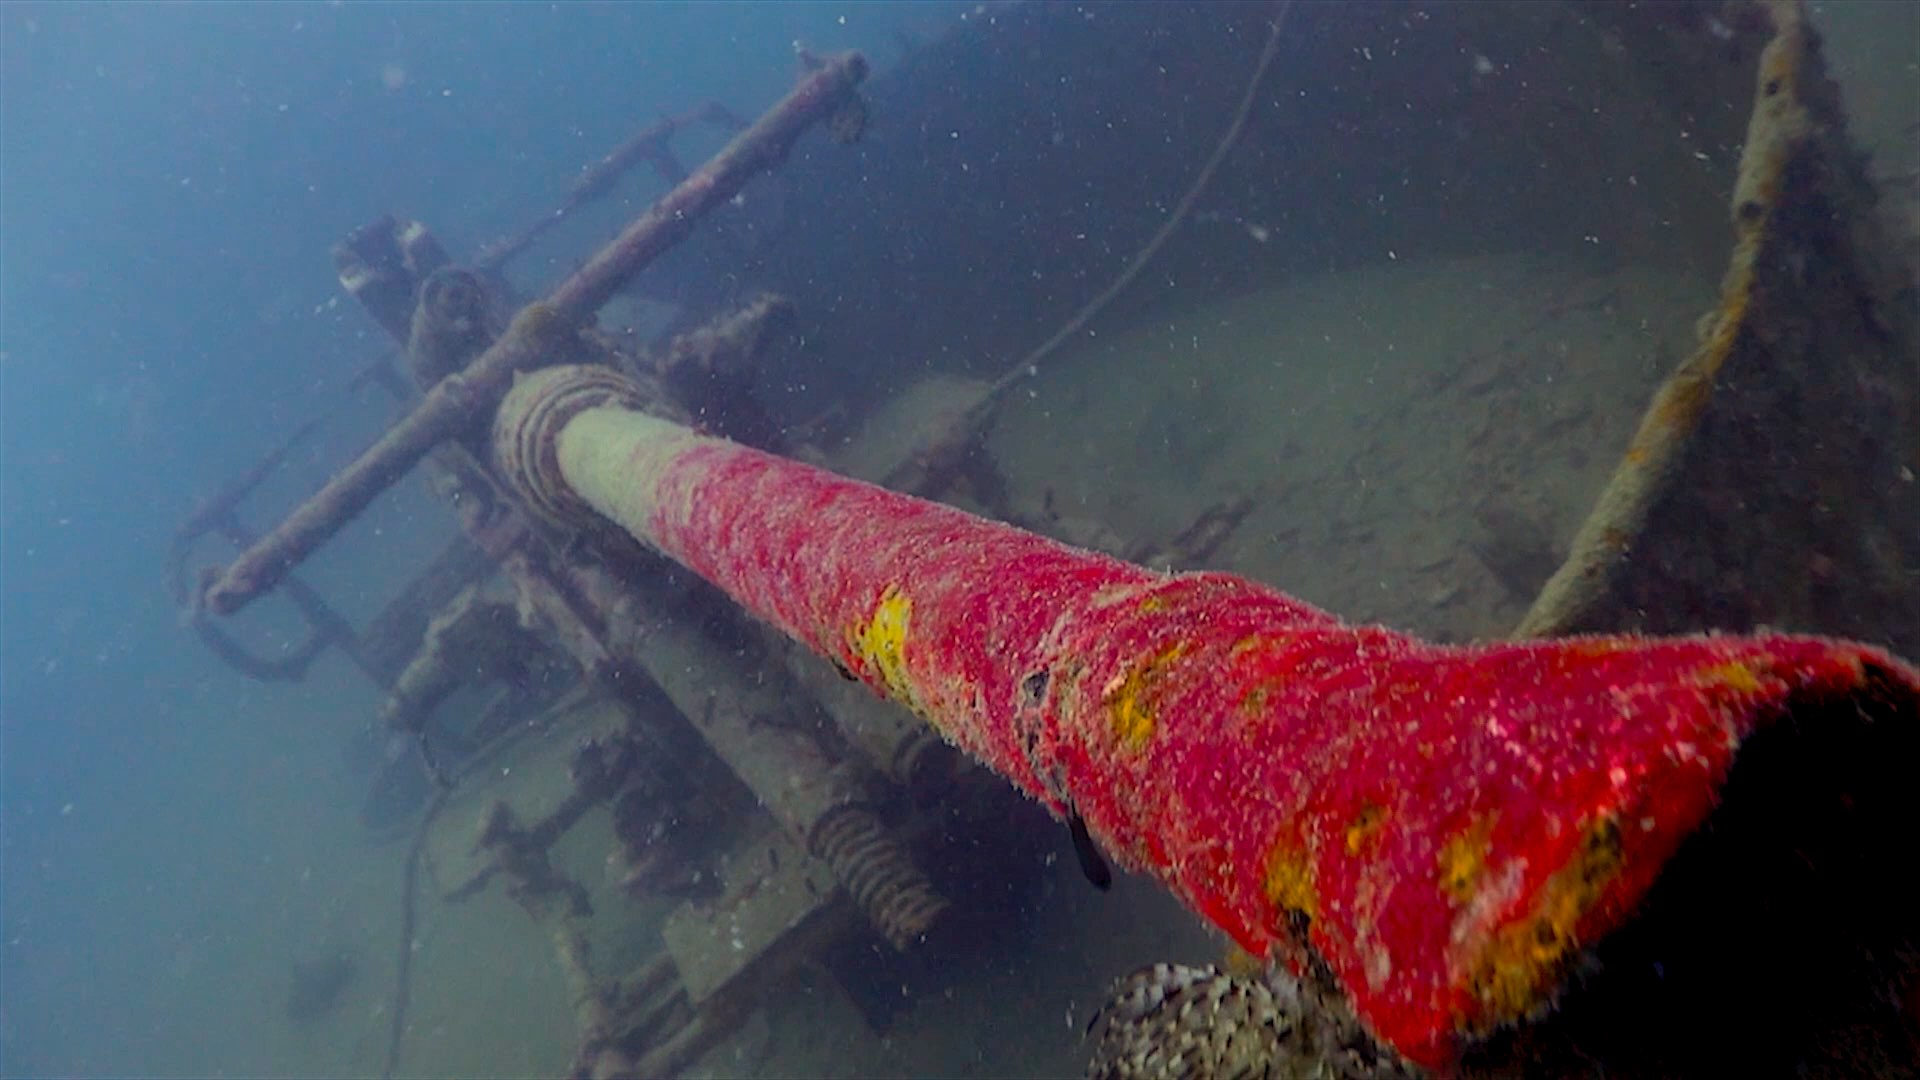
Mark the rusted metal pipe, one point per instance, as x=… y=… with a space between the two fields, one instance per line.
x=456 y=405
x=756 y=150
x=462 y=401
x=653 y=144
x=1444 y=829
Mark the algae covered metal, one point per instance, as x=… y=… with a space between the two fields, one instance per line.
x=1440 y=828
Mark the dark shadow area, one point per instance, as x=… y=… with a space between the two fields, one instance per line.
x=1783 y=940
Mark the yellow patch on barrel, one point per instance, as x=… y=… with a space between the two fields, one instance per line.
x=881 y=645
x=1522 y=962
x=1733 y=675
x=1463 y=859
x=1125 y=698
x=1289 y=879
x=1365 y=827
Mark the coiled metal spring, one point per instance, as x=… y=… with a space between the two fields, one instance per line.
x=877 y=872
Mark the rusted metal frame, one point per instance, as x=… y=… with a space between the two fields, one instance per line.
x=591 y=999
x=819 y=799
x=401 y=623
x=816 y=798
x=758 y=149
x=219 y=513
x=652 y=1008
x=386 y=376
x=289 y=668
x=329 y=626
x=379 y=263
x=462 y=402
x=503 y=533
x=559 y=904
x=595 y=180
x=655 y=1009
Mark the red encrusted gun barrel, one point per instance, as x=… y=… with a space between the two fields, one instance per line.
x=1445 y=827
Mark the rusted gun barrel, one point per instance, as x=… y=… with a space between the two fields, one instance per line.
x=462 y=402
x=1444 y=829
